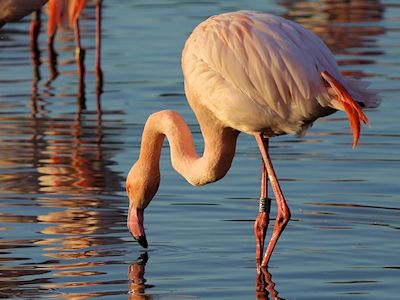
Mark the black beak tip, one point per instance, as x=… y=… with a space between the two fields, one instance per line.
x=142 y=241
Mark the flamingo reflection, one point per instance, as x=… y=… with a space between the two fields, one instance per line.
x=265 y=287
x=137 y=284
x=325 y=18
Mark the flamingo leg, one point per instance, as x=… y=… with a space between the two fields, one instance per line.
x=52 y=58
x=79 y=51
x=283 y=214
x=99 y=73
x=262 y=220
x=34 y=30
x=80 y=58
x=52 y=54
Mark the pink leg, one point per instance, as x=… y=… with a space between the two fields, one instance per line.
x=34 y=30
x=262 y=220
x=79 y=52
x=98 y=71
x=80 y=58
x=283 y=214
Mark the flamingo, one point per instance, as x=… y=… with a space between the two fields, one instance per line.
x=66 y=13
x=245 y=72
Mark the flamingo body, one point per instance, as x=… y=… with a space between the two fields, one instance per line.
x=258 y=72
x=244 y=72
x=14 y=10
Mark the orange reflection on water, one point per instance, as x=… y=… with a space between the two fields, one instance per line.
x=341 y=25
x=137 y=286
x=265 y=287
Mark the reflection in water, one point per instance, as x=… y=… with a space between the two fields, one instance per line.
x=265 y=287
x=66 y=153
x=326 y=18
x=137 y=284
x=58 y=165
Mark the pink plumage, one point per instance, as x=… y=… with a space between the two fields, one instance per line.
x=255 y=64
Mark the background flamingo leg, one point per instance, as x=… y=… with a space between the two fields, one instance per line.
x=80 y=62
x=98 y=71
x=34 y=30
x=283 y=214
x=79 y=51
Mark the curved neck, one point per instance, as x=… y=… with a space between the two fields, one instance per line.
x=219 y=147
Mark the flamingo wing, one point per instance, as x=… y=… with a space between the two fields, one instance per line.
x=254 y=66
x=13 y=10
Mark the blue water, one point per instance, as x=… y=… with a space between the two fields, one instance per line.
x=63 y=162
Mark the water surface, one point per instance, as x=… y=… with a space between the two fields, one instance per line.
x=65 y=151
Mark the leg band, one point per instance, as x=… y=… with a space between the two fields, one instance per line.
x=265 y=205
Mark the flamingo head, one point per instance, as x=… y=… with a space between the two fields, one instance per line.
x=141 y=186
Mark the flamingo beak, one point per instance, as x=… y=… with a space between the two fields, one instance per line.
x=135 y=225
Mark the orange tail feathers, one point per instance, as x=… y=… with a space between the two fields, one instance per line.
x=351 y=107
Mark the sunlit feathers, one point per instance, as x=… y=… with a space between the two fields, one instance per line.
x=261 y=73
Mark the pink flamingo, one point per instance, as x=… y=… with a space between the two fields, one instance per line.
x=244 y=72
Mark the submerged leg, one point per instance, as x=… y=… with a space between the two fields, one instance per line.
x=283 y=214
x=262 y=220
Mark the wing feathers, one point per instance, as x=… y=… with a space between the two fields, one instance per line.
x=266 y=64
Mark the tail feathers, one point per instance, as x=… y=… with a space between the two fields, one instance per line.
x=351 y=107
x=369 y=98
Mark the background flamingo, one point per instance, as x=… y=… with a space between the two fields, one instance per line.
x=14 y=10
x=244 y=72
x=66 y=13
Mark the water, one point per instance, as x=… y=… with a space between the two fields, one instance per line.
x=64 y=155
